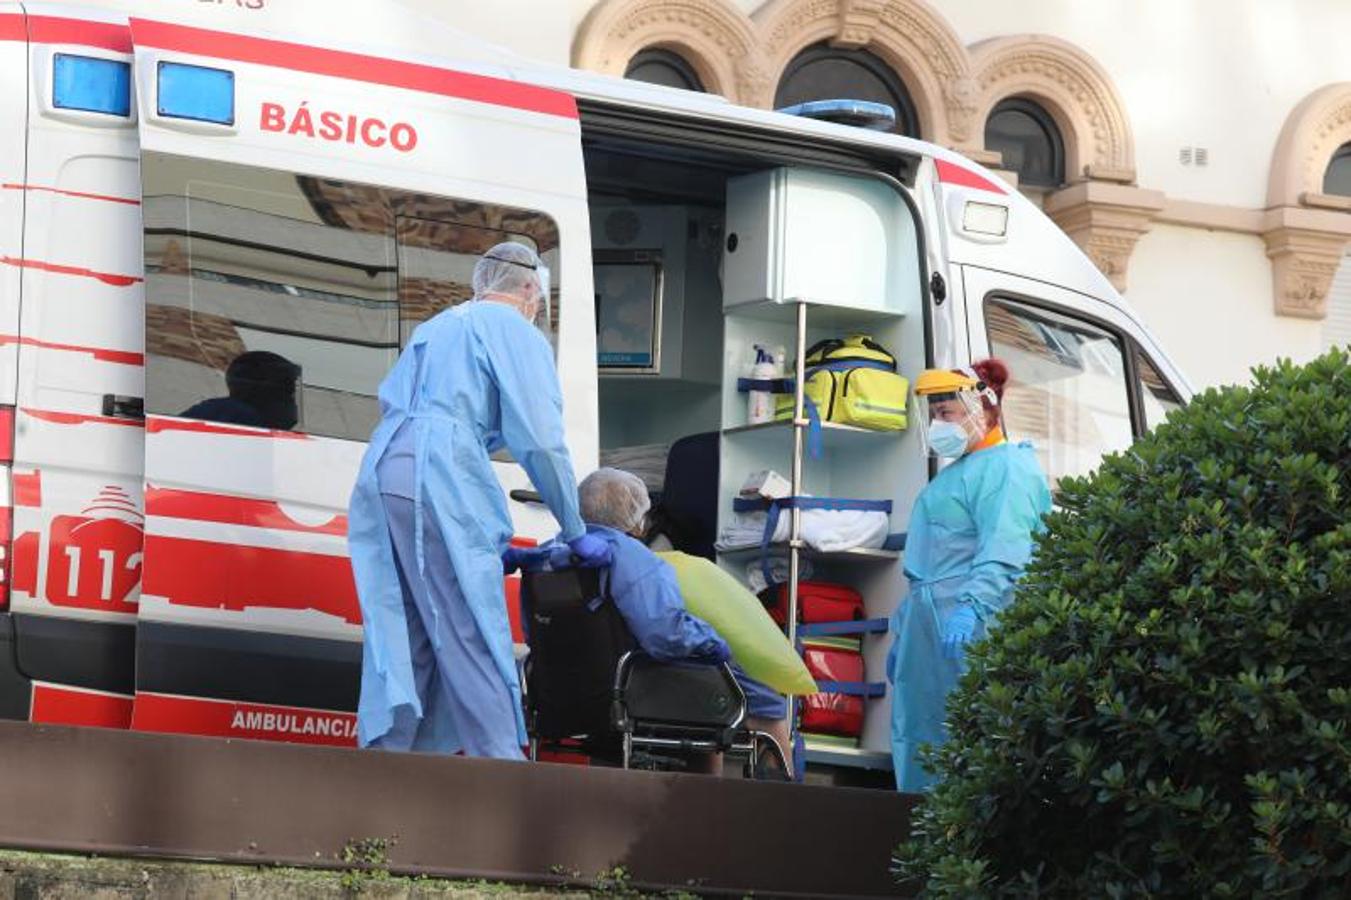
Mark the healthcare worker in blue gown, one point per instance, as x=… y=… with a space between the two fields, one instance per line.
x=429 y=522
x=970 y=538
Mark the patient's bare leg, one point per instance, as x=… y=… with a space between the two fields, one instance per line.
x=778 y=730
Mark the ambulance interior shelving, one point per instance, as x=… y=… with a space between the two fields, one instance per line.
x=698 y=258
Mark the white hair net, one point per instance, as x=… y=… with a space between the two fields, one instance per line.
x=615 y=498
x=511 y=270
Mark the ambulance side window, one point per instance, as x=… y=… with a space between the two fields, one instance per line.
x=280 y=301
x=1068 y=391
x=437 y=256
x=1157 y=398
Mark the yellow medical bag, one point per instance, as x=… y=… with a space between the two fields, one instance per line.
x=852 y=381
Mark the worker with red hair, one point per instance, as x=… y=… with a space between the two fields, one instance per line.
x=970 y=538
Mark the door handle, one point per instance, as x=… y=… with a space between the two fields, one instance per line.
x=524 y=496
x=118 y=407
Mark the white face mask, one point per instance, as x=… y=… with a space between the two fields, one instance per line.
x=948 y=439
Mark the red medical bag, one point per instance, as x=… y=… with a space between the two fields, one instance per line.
x=833 y=659
x=817 y=601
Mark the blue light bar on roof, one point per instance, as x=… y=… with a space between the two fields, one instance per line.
x=197 y=93
x=859 y=113
x=89 y=84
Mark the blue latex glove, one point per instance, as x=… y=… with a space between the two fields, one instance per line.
x=560 y=556
x=518 y=558
x=958 y=630
x=591 y=551
x=551 y=556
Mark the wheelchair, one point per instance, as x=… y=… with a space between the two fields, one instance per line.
x=590 y=690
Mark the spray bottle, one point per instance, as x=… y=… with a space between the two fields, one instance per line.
x=760 y=403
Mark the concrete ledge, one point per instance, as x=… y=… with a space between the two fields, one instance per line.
x=120 y=793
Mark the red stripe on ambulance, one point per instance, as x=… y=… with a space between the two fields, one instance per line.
x=6 y=434
x=12 y=27
x=102 y=354
x=961 y=176
x=354 y=67
x=230 y=510
x=74 y=706
x=83 y=195
x=68 y=418
x=159 y=424
x=27 y=488
x=254 y=721
x=60 y=30
x=214 y=575
x=109 y=278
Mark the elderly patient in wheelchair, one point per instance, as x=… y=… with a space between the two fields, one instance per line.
x=619 y=669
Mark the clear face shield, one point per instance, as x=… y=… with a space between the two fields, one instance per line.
x=951 y=420
x=541 y=316
x=544 y=316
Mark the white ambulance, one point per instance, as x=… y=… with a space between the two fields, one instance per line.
x=184 y=183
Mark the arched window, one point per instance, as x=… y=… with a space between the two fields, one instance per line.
x=823 y=72
x=1337 y=179
x=1029 y=141
x=657 y=66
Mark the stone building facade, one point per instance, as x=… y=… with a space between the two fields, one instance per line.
x=1202 y=148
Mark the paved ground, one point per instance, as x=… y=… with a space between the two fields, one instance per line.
x=42 y=876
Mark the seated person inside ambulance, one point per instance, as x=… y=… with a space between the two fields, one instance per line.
x=262 y=388
x=971 y=536
x=614 y=505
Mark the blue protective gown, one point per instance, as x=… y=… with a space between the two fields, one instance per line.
x=471 y=380
x=647 y=595
x=970 y=539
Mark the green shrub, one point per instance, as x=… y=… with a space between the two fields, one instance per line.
x=1164 y=709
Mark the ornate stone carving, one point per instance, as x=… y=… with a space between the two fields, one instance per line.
x=1073 y=88
x=1303 y=263
x=714 y=36
x=1315 y=129
x=1305 y=233
x=1106 y=221
x=754 y=86
x=907 y=34
x=960 y=99
x=953 y=91
x=858 y=21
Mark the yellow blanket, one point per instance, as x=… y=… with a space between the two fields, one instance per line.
x=758 y=645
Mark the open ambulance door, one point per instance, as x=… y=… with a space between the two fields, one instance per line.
x=304 y=208
x=1085 y=378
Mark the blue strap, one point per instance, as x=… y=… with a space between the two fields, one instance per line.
x=787 y=386
x=845 y=365
x=776 y=506
x=858 y=626
x=771 y=525
x=868 y=689
x=759 y=504
x=814 y=440
x=773 y=385
x=895 y=541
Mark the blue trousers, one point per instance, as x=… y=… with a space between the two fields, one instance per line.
x=466 y=705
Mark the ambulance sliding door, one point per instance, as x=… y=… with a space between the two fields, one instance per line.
x=304 y=208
